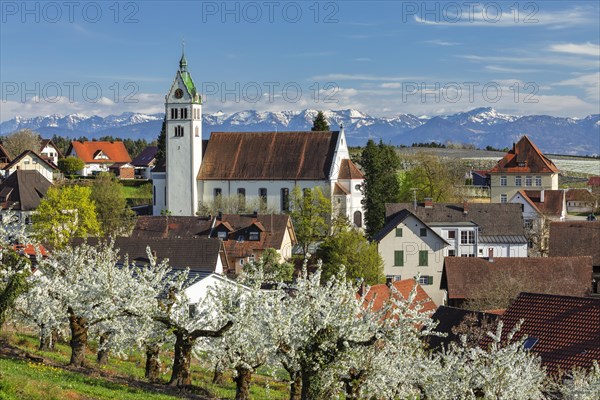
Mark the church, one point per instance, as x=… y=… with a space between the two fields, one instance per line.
x=255 y=166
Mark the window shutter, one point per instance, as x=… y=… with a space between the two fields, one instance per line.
x=430 y=280
x=423 y=258
x=399 y=258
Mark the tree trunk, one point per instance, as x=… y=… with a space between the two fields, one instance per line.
x=218 y=377
x=79 y=332
x=102 y=357
x=296 y=386
x=152 y=362
x=181 y=375
x=47 y=339
x=242 y=383
x=310 y=385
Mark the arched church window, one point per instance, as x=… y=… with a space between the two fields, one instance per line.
x=358 y=219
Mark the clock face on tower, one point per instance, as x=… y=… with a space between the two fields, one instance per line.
x=178 y=93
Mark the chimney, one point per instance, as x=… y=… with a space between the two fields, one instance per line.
x=542 y=196
x=255 y=214
x=491 y=254
x=220 y=215
x=465 y=207
x=514 y=148
x=428 y=202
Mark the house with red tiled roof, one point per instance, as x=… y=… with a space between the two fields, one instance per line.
x=245 y=237
x=581 y=201
x=578 y=238
x=472 y=278
x=98 y=156
x=524 y=167
x=594 y=184
x=563 y=330
x=377 y=295
x=254 y=166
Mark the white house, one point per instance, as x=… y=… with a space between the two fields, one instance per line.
x=410 y=247
x=257 y=166
x=98 y=156
x=472 y=229
x=30 y=161
x=50 y=152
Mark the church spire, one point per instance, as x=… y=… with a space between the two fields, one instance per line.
x=183 y=62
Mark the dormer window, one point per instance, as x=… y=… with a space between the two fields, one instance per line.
x=222 y=235
x=254 y=236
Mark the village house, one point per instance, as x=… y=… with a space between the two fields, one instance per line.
x=449 y=320
x=377 y=295
x=581 y=201
x=578 y=238
x=475 y=278
x=563 y=330
x=245 y=237
x=99 y=156
x=410 y=248
x=4 y=157
x=30 y=161
x=594 y=184
x=256 y=166
x=471 y=229
x=22 y=192
x=144 y=162
x=524 y=167
x=202 y=256
x=50 y=152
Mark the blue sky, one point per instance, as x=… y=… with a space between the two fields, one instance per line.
x=381 y=57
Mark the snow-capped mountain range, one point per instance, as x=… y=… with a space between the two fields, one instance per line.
x=480 y=127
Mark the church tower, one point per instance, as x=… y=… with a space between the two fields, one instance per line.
x=183 y=110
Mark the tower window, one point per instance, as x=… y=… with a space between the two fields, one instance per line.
x=179 y=131
x=285 y=199
x=173 y=113
x=197 y=132
x=184 y=113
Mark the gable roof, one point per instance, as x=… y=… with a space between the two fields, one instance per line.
x=567 y=328
x=146 y=158
x=274 y=225
x=379 y=294
x=49 y=142
x=580 y=195
x=594 y=181
x=23 y=190
x=86 y=151
x=396 y=220
x=197 y=254
x=349 y=170
x=553 y=203
x=524 y=157
x=493 y=219
x=451 y=317
x=464 y=277
x=268 y=155
x=4 y=155
x=32 y=154
x=575 y=238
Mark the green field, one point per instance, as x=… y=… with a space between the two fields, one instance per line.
x=23 y=379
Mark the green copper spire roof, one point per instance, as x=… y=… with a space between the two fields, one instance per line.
x=187 y=79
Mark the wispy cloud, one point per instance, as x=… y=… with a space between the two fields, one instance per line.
x=363 y=59
x=508 y=70
x=504 y=15
x=541 y=60
x=590 y=83
x=586 y=49
x=442 y=42
x=362 y=77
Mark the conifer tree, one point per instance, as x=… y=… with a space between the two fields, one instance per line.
x=320 y=123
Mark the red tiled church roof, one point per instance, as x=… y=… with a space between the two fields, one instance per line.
x=524 y=157
x=567 y=328
x=348 y=170
x=268 y=155
x=86 y=151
